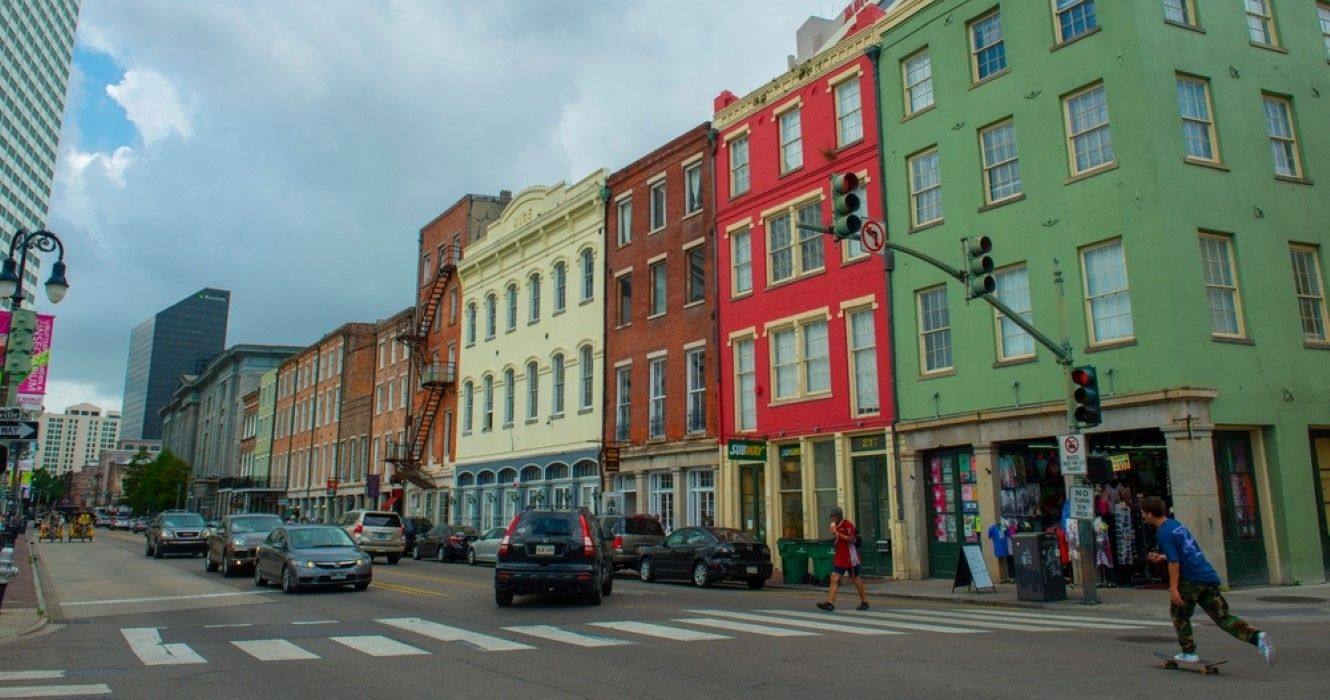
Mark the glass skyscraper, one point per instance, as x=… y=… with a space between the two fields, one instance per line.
x=37 y=43
x=181 y=339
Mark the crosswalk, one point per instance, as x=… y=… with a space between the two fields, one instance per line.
x=414 y=636
x=46 y=690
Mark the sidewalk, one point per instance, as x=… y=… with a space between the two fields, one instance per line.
x=21 y=612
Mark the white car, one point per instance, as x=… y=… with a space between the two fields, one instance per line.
x=485 y=549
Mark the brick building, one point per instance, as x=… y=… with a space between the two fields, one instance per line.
x=391 y=392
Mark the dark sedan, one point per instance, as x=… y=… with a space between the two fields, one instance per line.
x=231 y=545
x=307 y=556
x=445 y=542
x=705 y=555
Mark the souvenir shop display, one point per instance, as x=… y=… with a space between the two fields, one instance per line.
x=954 y=496
x=1031 y=488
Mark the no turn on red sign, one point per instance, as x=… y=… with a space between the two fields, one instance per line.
x=1071 y=454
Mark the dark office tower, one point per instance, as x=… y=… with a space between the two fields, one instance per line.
x=181 y=339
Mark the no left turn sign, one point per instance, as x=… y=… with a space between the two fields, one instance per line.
x=1071 y=453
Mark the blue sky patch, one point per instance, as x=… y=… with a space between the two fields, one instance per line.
x=102 y=122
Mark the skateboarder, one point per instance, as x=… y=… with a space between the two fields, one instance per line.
x=1192 y=581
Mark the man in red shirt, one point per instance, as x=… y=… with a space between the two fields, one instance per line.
x=846 y=561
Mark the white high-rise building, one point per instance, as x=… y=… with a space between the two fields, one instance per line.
x=68 y=441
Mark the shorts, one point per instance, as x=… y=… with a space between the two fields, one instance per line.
x=851 y=571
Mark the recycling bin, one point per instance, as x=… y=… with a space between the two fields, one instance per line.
x=793 y=560
x=1038 y=567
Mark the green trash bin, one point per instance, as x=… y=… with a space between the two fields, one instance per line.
x=793 y=560
x=823 y=554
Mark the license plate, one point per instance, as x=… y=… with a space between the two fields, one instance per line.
x=751 y=569
x=381 y=535
x=544 y=550
x=338 y=577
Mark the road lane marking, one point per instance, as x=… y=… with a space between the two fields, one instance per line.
x=396 y=572
x=1047 y=621
x=314 y=622
x=556 y=634
x=273 y=650
x=809 y=624
x=929 y=616
x=663 y=631
x=233 y=624
x=30 y=675
x=444 y=633
x=410 y=590
x=736 y=626
x=54 y=691
x=859 y=618
x=375 y=645
x=1077 y=618
x=146 y=643
x=196 y=596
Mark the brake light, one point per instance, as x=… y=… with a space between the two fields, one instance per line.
x=588 y=547
x=503 y=544
x=358 y=529
x=618 y=542
x=455 y=539
x=401 y=533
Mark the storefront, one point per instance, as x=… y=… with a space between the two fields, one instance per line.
x=490 y=495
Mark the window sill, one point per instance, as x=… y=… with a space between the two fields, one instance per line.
x=1268 y=47
x=736 y=195
x=584 y=302
x=1063 y=44
x=925 y=227
x=989 y=78
x=740 y=295
x=652 y=317
x=532 y=321
x=916 y=113
x=622 y=326
x=656 y=230
x=507 y=426
x=1110 y=345
x=1316 y=344
x=939 y=373
x=1001 y=203
x=691 y=214
x=795 y=278
x=1294 y=180
x=1107 y=167
x=1027 y=359
x=691 y=304
x=1183 y=25
x=1213 y=164
x=623 y=244
x=848 y=145
x=792 y=171
x=558 y=312
x=556 y=416
x=848 y=261
x=583 y=411
x=1232 y=339
x=801 y=398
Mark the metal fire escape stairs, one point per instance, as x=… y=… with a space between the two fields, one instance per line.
x=434 y=377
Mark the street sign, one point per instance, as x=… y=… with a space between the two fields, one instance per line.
x=872 y=236
x=9 y=414
x=1071 y=454
x=1082 y=502
x=20 y=430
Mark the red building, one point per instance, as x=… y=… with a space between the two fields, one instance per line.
x=804 y=392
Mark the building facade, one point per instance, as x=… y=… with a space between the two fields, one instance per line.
x=660 y=334
x=532 y=347
x=181 y=339
x=69 y=441
x=260 y=471
x=1150 y=188
x=387 y=415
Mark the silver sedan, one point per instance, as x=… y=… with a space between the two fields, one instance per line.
x=306 y=556
x=486 y=548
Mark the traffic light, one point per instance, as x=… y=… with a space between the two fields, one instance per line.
x=1086 y=395
x=979 y=267
x=18 y=351
x=844 y=203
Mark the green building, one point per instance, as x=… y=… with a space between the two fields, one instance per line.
x=1165 y=165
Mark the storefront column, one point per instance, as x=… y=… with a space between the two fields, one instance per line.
x=680 y=497
x=910 y=555
x=985 y=463
x=643 y=480
x=1192 y=484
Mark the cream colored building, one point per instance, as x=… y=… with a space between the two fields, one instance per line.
x=71 y=440
x=530 y=387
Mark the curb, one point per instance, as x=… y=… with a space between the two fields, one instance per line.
x=43 y=614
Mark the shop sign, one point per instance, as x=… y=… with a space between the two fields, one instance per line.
x=791 y=451
x=868 y=443
x=751 y=450
x=1071 y=454
x=332 y=487
x=1121 y=463
x=609 y=459
x=1082 y=502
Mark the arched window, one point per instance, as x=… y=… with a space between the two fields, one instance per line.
x=533 y=298
x=487 y=423
x=585 y=376
x=532 y=390
x=468 y=405
x=491 y=315
x=588 y=275
x=470 y=324
x=556 y=395
x=560 y=287
x=510 y=303
x=509 y=397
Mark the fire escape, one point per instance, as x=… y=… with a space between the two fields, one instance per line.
x=434 y=377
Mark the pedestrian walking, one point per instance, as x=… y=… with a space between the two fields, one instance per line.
x=846 y=562
x=1192 y=581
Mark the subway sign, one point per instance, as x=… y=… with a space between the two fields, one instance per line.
x=750 y=450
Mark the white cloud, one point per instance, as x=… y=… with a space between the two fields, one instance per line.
x=63 y=394
x=79 y=165
x=151 y=103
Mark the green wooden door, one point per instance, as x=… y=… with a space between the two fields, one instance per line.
x=752 y=499
x=871 y=514
x=1239 y=509
x=953 y=508
x=1321 y=464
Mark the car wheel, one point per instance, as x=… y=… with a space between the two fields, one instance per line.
x=607 y=588
x=259 y=581
x=503 y=598
x=441 y=555
x=701 y=576
x=208 y=566
x=157 y=551
x=415 y=552
x=147 y=549
x=646 y=571
x=227 y=571
x=362 y=585
x=756 y=583
x=471 y=556
x=289 y=584
x=394 y=558
x=593 y=597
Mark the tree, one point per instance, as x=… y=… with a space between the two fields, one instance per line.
x=46 y=487
x=151 y=486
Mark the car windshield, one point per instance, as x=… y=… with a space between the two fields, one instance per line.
x=382 y=520
x=185 y=520
x=258 y=524
x=733 y=536
x=315 y=538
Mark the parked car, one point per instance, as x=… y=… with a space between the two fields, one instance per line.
x=376 y=532
x=141 y=523
x=631 y=533
x=705 y=555
x=122 y=521
x=101 y=517
x=174 y=532
x=413 y=527
x=553 y=551
x=486 y=547
x=233 y=542
x=307 y=556
x=445 y=542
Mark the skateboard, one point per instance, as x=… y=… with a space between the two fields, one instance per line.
x=1202 y=667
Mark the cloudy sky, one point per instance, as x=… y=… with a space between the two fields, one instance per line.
x=290 y=150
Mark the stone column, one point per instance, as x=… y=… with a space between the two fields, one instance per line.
x=1195 y=490
x=908 y=532
x=643 y=492
x=680 y=497
x=987 y=485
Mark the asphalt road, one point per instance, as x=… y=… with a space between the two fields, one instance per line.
x=135 y=627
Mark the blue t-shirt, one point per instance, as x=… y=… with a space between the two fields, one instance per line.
x=1177 y=543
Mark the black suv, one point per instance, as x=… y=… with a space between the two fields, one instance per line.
x=175 y=532
x=554 y=551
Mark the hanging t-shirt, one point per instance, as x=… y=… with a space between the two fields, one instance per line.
x=998 y=534
x=1177 y=543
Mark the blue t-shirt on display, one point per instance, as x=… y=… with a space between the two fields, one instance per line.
x=998 y=534
x=1177 y=543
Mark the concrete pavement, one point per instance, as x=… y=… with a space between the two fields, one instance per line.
x=22 y=612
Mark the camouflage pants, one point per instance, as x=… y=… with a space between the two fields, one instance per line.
x=1207 y=595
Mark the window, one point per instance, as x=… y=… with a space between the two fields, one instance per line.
x=692 y=189
x=1283 y=140
x=863 y=361
x=1013 y=289
x=1075 y=18
x=560 y=287
x=533 y=294
x=662 y=498
x=491 y=316
x=510 y=300
x=556 y=395
x=791 y=490
x=487 y=423
x=741 y=260
x=588 y=276
x=800 y=361
x=532 y=390
x=658 y=205
x=509 y=397
x=702 y=497
x=696 y=284
x=1261 y=23
x=1002 y=171
x=696 y=420
x=925 y=188
x=918 y=82
x=745 y=385
x=739 y=166
x=1107 y=297
x=987 y=50
x=1180 y=11
x=626 y=221
x=934 y=330
x=1310 y=288
x=1089 y=141
x=791 y=141
x=1323 y=12
x=656 y=410
x=622 y=402
x=585 y=380
x=824 y=483
x=625 y=299
x=849 y=112
x=657 y=288
x=1198 y=129
x=1221 y=286
x=454 y=300
x=787 y=259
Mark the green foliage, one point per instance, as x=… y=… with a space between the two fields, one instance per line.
x=46 y=487
x=155 y=485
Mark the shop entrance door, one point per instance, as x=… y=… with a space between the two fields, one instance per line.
x=871 y=513
x=1321 y=465
x=1239 y=509
x=753 y=500
x=953 y=508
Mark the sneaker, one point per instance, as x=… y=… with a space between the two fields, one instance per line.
x=862 y=606
x=1193 y=657
x=826 y=606
x=1266 y=647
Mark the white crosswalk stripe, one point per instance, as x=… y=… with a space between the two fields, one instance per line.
x=54 y=691
x=809 y=624
x=931 y=616
x=146 y=643
x=557 y=634
x=375 y=645
x=749 y=627
x=6 y=676
x=861 y=617
x=663 y=631
x=1136 y=622
x=1049 y=620
x=444 y=633
x=273 y=650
